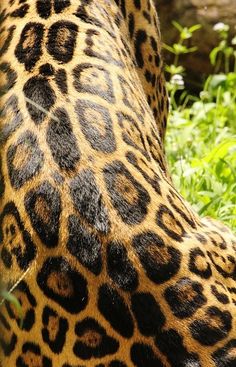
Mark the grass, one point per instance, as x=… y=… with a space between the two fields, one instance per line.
x=201 y=136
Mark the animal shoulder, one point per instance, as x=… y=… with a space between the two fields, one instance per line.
x=110 y=265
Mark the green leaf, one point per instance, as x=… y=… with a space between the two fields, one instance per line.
x=185 y=34
x=217 y=80
x=213 y=55
x=233 y=41
x=179 y=49
x=172 y=69
x=168 y=48
x=177 y=26
x=221 y=150
x=12 y=299
x=195 y=28
x=229 y=51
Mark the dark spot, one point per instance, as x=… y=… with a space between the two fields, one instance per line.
x=93 y=341
x=93 y=79
x=44 y=8
x=200 y=238
x=62 y=141
x=147 y=16
x=225 y=356
x=24 y=159
x=86 y=16
x=102 y=48
x=128 y=196
x=132 y=134
x=148 y=76
x=7 y=42
x=120 y=268
x=43 y=205
x=160 y=262
x=122 y=8
x=61 y=80
x=140 y=39
x=220 y=296
x=148 y=314
x=21 y=246
x=63 y=284
x=84 y=246
x=185 y=297
x=152 y=180
x=117 y=363
x=28 y=302
x=20 y=12
x=143 y=355
x=128 y=93
x=228 y=268
x=7 y=346
x=12 y=118
x=198 y=263
x=131 y=25
x=29 y=48
x=62 y=40
x=87 y=199
x=184 y=213
x=40 y=98
x=171 y=345
x=46 y=69
x=59 y=6
x=96 y=125
x=10 y=76
x=2 y=183
x=214 y=327
x=113 y=307
x=31 y=352
x=137 y=4
x=54 y=329
x=167 y=221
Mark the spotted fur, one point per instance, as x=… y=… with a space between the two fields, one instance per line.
x=111 y=266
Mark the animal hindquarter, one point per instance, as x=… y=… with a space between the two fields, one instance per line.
x=111 y=267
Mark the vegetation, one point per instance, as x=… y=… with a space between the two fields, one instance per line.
x=201 y=137
x=5 y=295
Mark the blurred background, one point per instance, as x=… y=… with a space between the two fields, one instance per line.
x=199 y=49
x=190 y=12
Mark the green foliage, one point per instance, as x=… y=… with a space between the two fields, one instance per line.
x=201 y=137
x=7 y=296
x=224 y=51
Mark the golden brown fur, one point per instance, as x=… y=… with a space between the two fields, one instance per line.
x=112 y=267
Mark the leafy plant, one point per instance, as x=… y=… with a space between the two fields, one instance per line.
x=204 y=167
x=176 y=81
x=224 y=51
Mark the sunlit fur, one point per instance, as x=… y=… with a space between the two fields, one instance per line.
x=111 y=266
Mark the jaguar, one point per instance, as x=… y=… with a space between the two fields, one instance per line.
x=110 y=265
